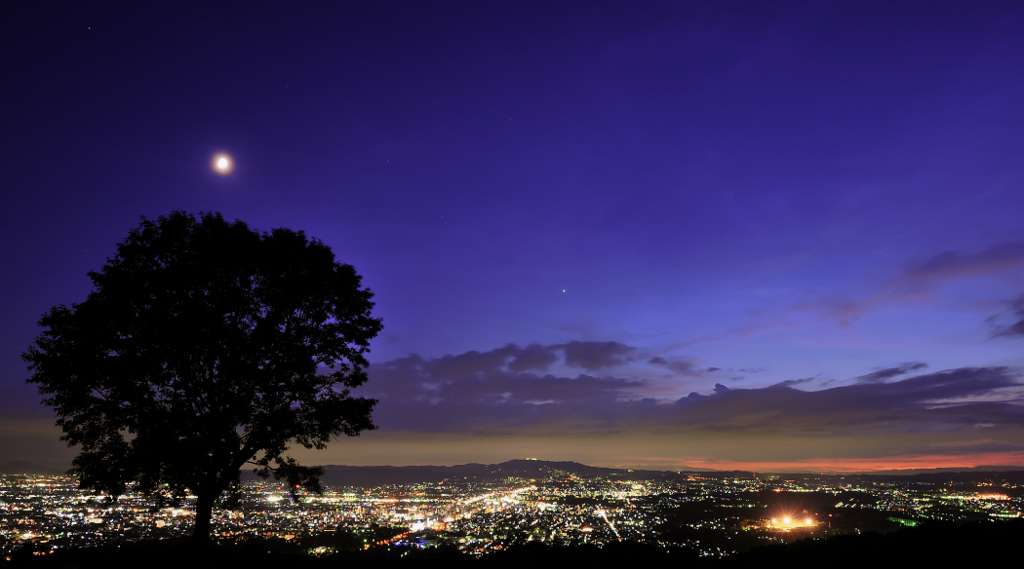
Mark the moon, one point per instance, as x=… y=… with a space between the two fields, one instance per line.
x=222 y=163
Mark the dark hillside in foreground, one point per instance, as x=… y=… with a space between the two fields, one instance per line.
x=936 y=545
x=973 y=544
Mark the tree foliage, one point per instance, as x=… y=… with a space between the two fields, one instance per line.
x=205 y=346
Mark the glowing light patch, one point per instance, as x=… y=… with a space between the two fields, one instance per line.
x=222 y=164
x=789 y=524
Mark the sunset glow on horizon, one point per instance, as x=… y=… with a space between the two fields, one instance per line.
x=863 y=465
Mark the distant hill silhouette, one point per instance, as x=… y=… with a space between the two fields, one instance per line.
x=1005 y=473
x=369 y=476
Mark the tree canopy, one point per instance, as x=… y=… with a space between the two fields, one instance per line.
x=205 y=346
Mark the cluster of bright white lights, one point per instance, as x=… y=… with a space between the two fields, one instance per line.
x=789 y=523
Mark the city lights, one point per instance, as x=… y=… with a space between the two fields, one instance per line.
x=789 y=524
x=481 y=517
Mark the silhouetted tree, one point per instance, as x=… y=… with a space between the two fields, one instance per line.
x=205 y=346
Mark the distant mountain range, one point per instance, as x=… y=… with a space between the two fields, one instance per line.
x=520 y=468
x=370 y=476
x=918 y=471
x=335 y=475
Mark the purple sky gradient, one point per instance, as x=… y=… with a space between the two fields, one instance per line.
x=573 y=215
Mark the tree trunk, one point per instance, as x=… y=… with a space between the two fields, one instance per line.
x=204 y=512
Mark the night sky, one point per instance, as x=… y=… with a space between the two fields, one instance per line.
x=768 y=235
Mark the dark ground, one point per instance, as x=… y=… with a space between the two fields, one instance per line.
x=939 y=545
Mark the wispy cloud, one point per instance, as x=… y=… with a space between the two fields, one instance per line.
x=919 y=280
x=950 y=265
x=890 y=372
x=1015 y=328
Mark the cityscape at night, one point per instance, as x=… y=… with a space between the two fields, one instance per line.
x=714 y=514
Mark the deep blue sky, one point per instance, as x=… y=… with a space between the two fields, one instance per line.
x=815 y=206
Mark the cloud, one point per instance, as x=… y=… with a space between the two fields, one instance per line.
x=471 y=363
x=681 y=366
x=595 y=355
x=1017 y=313
x=590 y=356
x=792 y=382
x=915 y=404
x=919 y=279
x=952 y=265
x=531 y=357
x=889 y=373
x=505 y=384
x=414 y=398
x=487 y=393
